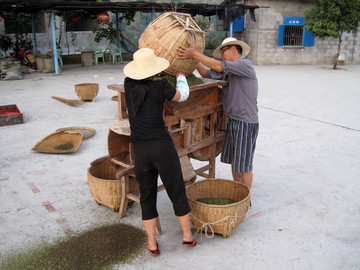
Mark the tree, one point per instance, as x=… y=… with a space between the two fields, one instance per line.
x=332 y=18
x=203 y=23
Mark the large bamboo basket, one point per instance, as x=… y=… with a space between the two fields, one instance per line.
x=104 y=186
x=222 y=219
x=87 y=91
x=167 y=32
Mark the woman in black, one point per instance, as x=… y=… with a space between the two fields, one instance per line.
x=154 y=150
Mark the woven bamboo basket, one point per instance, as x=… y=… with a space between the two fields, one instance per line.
x=87 y=91
x=222 y=219
x=167 y=32
x=59 y=142
x=104 y=186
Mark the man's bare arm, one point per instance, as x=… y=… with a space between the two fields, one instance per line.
x=202 y=70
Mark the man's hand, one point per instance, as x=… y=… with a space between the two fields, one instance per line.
x=184 y=53
x=190 y=52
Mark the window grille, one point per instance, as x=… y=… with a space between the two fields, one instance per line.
x=293 y=35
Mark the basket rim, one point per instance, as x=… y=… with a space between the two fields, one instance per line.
x=215 y=205
x=83 y=84
x=92 y=131
x=174 y=13
x=102 y=179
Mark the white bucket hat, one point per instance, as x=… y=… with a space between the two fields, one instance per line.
x=232 y=41
x=145 y=64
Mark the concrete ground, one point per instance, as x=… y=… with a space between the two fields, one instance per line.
x=305 y=198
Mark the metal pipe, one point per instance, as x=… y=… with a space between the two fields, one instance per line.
x=231 y=29
x=153 y=13
x=117 y=34
x=117 y=30
x=54 y=41
x=34 y=33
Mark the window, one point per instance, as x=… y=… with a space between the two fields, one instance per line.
x=293 y=33
x=238 y=24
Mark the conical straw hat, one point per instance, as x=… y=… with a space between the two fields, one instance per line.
x=145 y=64
x=232 y=41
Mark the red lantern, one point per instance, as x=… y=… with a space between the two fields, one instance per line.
x=75 y=19
x=103 y=17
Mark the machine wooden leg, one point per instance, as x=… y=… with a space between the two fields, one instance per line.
x=212 y=161
x=125 y=186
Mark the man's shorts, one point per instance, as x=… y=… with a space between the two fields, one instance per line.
x=239 y=145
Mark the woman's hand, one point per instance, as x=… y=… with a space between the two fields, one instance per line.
x=179 y=74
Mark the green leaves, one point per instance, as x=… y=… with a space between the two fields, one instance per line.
x=330 y=18
x=107 y=31
x=20 y=25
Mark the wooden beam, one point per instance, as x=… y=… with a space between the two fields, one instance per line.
x=196 y=146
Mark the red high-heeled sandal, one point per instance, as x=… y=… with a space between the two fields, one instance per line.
x=189 y=243
x=155 y=252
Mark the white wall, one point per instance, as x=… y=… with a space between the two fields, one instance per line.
x=45 y=44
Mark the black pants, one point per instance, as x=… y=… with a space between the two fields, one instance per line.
x=153 y=158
